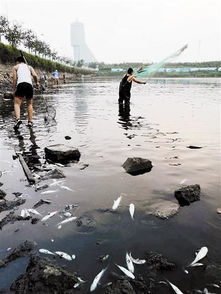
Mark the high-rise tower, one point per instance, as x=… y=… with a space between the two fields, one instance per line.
x=81 y=50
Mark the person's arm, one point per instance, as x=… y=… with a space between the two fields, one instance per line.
x=136 y=81
x=14 y=81
x=35 y=76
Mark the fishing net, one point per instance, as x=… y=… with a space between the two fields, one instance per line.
x=150 y=70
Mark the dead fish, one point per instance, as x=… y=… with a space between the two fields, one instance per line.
x=218 y=210
x=73 y=256
x=33 y=211
x=131 y=210
x=183 y=181
x=45 y=251
x=49 y=192
x=103 y=258
x=116 y=203
x=197 y=264
x=67 y=214
x=48 y=216
x=56 y=183
x=129 y=262
x=126 y=272
x=64 y=255
x=137 y=260
x=66 y=188
x=97 y=279
x=80 y=281
x=200 y=255
x=25 y=213
x=67 y=220
x=176 y=290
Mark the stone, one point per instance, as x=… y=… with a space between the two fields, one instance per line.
x=2 y=194
x=62 y=153
x=213 y=272
x=8 y=95
x=187 y=194
x=119 y=287
x=194 y=147
x=42 y=276
x=53 y=174
x=137 y=165
x=157 y=261
x=165 y=209
x=67 y=138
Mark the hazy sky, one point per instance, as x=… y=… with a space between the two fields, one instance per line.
x=120 y=30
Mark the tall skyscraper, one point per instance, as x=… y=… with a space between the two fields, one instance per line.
x=78 y=42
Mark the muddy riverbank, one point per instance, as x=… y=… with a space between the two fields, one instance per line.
x=174 y=123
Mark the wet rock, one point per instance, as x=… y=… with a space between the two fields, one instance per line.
x=194 y=147
x=11 y=218
x=41 y=202
x=21 y=250
x=35 y=220
x=2 y=194
x=120 y=287
x=83 y=166
x=1 y=184
x=187 y=194
x=17 y=194
x=86 y=224
x=62 y=153
x=39 y=188
x=165 y=209
x=67 y=138
x=7 y=205
x=8 y=95
x=43 y=277
x=157 y=261
x=137 y=165
x=53 y=174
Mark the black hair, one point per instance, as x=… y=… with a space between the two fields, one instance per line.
x=130 y=70
x=20 y=59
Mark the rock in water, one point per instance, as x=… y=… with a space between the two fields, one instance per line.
x=120 y=286
x=43 y=277
x=187 y=194
x=2 y=194
x=53 y=174
x=165 y=209
x=62 y=153
x=137 y=165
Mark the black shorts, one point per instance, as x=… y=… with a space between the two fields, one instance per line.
x=24 y=90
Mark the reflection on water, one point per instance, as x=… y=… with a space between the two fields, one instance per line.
x=164 y=118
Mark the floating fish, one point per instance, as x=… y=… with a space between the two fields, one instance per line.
x=66 y=188
x=116 y=203
x=126 y=272
x=67 y=220
x=197 y=264
x=49 y=192
x=64 y=255
x=183 y=181
x=96 y=280
x=129 y=262
x=56 y=183
x=200 y=255
x=33 y=211
x=48 y=216
x=176 y=290
x=73 y=256
x=45 y=251
x=131 y=210
x=80 y=281
x=137 y=260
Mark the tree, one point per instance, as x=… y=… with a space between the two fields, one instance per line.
x=14 y=35
x=3 y=25
x=28 y=39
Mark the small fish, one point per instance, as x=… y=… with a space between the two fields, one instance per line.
x=66 y=188
x=176 y=290
x=33 y=211
x=137 y=260
x=97 y=279
x=67 y=214
x=200 y=255
x=116 y=203
x=64 y=255
x=73 y=256
x=45 y=251
x=131 y=210
x=197 y=264
x=183 y=181
x=56 y=183
x=80 y=281
x=126 y=272
x=49 y=192
x=129 y=262
x=67 y=220
x=48 y=216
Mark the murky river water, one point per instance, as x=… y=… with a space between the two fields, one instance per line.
x=165 y=116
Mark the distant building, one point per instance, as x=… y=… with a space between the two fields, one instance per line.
x=78 y=42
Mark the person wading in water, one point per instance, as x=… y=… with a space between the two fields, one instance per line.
x=22 y=88
x=125 y=87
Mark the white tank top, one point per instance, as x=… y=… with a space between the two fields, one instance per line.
x=24 y=74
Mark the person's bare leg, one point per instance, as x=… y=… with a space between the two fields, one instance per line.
x=30 y=109
x=17 y=105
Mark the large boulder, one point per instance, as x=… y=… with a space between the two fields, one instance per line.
x=62 y=153
x=137 y=165
x=187 y=194
x=165 y=209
